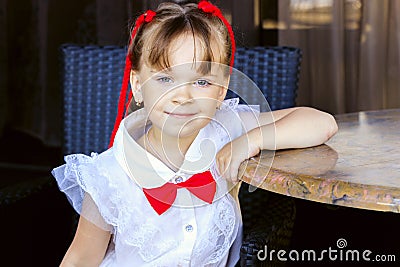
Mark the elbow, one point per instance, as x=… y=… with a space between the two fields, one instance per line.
x=324 y=124
x=331 y=127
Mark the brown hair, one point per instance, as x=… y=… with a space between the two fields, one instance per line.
x=153 y=41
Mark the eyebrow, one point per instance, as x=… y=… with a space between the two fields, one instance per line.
x=168 y=71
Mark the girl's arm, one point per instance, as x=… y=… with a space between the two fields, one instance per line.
x=288 y=128
x=295 y=128
x=88 y=247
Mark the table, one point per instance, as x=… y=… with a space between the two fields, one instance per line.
x=358 y=167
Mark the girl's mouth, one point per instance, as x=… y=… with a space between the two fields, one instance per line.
x=180 y=115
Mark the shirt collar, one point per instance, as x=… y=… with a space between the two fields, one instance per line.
x=145 y=169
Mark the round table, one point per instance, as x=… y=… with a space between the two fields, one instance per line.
x=358 y=167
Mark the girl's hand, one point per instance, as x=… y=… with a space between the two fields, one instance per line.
x=231 y=155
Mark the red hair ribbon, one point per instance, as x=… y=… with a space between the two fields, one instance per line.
x=207 y=7
x=146 y=17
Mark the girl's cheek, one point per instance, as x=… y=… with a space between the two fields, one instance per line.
x=155 y=100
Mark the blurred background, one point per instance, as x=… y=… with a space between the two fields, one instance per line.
x=351 y=62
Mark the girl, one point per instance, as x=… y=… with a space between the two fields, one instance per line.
x=186 y=137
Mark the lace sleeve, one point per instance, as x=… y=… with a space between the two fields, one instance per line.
x=237 y=119
x=91 y=213
x=81 y=182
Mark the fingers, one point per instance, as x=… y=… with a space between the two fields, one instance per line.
x=227 y=168
x=233 y=172
x=221 y=165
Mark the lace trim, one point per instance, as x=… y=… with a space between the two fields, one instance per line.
x=230 y=104
x=84 y=174
x=132 y=230
x=221 y=231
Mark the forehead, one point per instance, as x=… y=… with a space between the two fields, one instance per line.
x=187 y=49
x=182 y=48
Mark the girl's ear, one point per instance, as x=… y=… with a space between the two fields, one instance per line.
x=135 y=86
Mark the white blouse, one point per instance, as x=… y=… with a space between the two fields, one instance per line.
x=107 y=188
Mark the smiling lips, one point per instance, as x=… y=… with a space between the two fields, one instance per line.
x=180 y=115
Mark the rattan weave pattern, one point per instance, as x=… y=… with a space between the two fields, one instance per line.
x=92 y=77
x=275 y=70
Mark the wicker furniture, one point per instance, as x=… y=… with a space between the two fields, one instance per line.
x=275 y=70
x=92 y=77
x=268 y=218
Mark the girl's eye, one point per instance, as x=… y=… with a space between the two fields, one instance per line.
x=202 y=83
x=165 y=80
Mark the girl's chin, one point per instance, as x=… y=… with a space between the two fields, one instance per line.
x=182 y=132
x=180 y=128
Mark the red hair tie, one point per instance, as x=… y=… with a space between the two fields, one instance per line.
x=146 y=17
x=207 y=7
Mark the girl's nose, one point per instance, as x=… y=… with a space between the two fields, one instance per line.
x=182 y=94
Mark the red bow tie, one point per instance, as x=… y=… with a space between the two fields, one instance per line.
x=202 y=185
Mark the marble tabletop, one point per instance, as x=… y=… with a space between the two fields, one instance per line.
x=359 y=167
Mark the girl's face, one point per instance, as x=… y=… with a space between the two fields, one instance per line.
x=181 y=100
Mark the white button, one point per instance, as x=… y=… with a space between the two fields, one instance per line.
x=178 y=179
x=189 y=228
